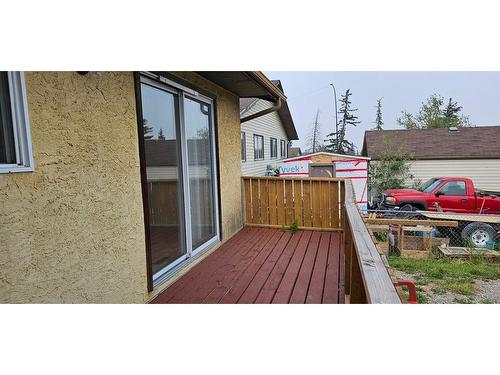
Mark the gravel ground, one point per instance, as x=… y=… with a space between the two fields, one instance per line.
x=487 y=291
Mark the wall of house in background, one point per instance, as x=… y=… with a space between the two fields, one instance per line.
x=268 y=126
x=484 y=172
x=73 y=230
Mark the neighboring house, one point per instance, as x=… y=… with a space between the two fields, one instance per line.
x=294 y=151
x=113 y=182
x=264 y=140
x=469 y=152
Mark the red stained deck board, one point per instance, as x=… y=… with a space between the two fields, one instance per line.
x=230 y=277
x=272 y=283
x=212 y=276
x=246 y=277
x=253 y=289
x=289 y=278
x=178 y=286
x=302 y=284
x=315 y=291
x=341 y=270
x=331 y=290
x=223 y=275
x=262 y=265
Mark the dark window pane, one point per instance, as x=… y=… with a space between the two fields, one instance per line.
x=159 y=109
x=7 y=146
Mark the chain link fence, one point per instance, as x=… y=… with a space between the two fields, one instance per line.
x=424 y=234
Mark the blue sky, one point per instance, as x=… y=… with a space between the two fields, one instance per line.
x=477 y=92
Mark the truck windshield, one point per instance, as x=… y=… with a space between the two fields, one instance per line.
x=430 y=185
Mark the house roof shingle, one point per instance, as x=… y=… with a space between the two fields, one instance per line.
x=482 y=142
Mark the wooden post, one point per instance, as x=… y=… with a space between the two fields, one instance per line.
x=357 y=288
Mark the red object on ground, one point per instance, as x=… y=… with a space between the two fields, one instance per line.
x=411 y=289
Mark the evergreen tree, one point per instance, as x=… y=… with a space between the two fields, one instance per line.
x=161 y=137
x=378 y=117
x=147 y=130
x=337 y=140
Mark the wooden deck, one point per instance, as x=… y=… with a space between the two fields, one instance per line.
x=263 y=265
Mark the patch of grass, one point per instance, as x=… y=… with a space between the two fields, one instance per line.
x=460 y=286
x=463 y=300
x=487 y=301
x=444 y=275
x=294 y=227
x=422 y=298
x=440 y=268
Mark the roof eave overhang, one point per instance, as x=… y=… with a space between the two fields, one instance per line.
x=246 y=84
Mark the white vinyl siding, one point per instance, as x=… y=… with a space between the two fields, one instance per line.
x=269 y=126
x=484 y=172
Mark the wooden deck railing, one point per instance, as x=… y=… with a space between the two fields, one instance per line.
x=310 y=203
x=323 y=204
x=366 y=277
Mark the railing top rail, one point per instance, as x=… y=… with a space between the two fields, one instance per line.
x=378 y=284
x=292 y=178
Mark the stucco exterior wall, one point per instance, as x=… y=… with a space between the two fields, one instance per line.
x=228 y=137
x=72 y=230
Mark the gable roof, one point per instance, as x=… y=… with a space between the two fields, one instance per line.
x=283 y=112
x=482 y=142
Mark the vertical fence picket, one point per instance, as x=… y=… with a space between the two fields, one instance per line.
x=271 y=187
x=281 y=202
x=297 y=200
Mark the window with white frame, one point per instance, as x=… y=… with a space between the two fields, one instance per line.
x=243 y=146
x=274 y=148
x=283 y=149
x=15 y=137
x=258 y=147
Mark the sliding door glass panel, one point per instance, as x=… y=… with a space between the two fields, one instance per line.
x=162 y=150
x=198 y=130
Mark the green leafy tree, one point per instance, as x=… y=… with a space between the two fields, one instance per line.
x=336 y=141
x=379 y=123
x=392 y=171
x=432 y=115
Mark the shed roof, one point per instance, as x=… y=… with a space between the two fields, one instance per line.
x=482 y=142
x=331 y=154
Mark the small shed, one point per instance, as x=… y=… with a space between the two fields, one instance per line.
x=328 y=164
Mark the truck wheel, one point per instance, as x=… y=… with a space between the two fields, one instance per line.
x=478 y=233
x=407 y=211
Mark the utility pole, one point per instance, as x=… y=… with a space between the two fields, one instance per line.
x=336 y=120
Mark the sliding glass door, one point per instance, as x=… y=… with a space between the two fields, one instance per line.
x=200 y=170
x=180 y=167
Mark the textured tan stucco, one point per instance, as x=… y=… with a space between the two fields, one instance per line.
x=228 y=136
x=72 y=231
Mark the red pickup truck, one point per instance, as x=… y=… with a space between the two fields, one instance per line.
x=451 y=194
